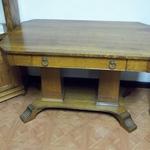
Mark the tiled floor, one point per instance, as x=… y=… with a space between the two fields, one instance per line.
x=73 y=130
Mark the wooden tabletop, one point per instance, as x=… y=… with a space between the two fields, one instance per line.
x=80 y=38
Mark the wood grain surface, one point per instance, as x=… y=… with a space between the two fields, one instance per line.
x=80 y=38
x=11 y=12
x=109 y=85
x=51 y=85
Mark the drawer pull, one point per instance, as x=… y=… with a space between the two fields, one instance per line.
x=112 y=64
x=44 y=61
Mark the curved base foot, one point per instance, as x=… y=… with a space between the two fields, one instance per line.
x=126 y=121
x=118 y=112
x=30 y=113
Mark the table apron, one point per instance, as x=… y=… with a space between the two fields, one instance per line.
x=80 y=63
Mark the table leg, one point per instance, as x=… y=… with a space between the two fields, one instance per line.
x=108 y=95
x=51 y=84
x=51 y=92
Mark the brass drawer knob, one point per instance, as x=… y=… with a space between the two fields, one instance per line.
x=112 y=64
x=44 y=61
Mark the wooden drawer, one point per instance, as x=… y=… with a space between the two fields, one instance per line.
x=20 y=60
x=78 y=62
x=138 y=65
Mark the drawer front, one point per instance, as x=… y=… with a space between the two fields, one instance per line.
x=20 y=60
x=138 y=65
x=77 y=62
x=81 y=63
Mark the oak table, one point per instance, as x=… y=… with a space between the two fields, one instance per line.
x=110 y=47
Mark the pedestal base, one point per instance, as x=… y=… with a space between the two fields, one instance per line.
x=120 y=113
x=81 y=98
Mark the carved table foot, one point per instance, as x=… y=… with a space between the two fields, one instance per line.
x=30 y=113
x=126 y=121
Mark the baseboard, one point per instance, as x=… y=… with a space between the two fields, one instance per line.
x=8 y=93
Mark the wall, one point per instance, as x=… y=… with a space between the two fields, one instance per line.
x=125 y=10
x=114 y=10
x=2 y=19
